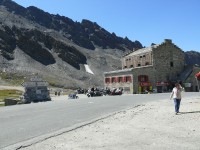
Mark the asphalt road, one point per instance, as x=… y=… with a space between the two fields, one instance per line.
x=23 y=122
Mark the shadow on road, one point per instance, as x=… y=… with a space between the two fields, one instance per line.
x=190 y=112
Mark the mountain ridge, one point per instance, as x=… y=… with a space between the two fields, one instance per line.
x=68 y=26
x=33 y=41
x=57 y=45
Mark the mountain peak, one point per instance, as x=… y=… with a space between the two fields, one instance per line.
x=34 y=39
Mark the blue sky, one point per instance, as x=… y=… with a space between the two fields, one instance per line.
x=148 y=21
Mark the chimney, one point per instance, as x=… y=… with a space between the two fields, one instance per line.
x=168 y=41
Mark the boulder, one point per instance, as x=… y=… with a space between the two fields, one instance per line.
x=10 y=101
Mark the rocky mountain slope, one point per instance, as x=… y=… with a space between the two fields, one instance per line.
x=56 y=47
x=192 y=57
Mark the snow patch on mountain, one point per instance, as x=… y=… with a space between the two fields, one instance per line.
x=87 y=68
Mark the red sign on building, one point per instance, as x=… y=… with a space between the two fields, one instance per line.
x=162 y=83
x=145 y=84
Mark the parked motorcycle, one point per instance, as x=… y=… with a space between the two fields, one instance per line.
x=106 y=92
x=116 y=92
x=73 y=96
x=93 y=94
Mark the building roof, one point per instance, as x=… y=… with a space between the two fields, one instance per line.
x=142 y=51
x=194 y=70
x=186 y=73
x=148 y=49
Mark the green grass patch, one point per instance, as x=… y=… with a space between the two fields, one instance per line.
x=9 y=94
x=1 y=105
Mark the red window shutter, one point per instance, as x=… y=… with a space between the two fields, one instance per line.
x=116 y=79
x=124 y=78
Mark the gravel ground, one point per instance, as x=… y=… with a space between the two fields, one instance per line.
x=152 y=126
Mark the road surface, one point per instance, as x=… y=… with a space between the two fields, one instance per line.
x=23 y=122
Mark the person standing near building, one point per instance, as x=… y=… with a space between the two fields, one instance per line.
x=176 y=94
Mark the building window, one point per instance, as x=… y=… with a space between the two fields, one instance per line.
x=120 y=79
x=147 y=63
x=140 y=56
x=139 y=65
x=113 y=79
x=107 y=80
x=171 y=64
x=127 y=79
x=143 y=56
x=142 y=79
x=131 y=66
x=125 y=66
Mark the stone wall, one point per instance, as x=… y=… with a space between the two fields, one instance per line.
x=10 y=101
x=149 y=71
x=142 y=59
x=168 y=62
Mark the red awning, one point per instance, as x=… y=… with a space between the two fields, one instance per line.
x=197 y=76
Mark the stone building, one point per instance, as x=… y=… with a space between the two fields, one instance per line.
x=154 y=68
